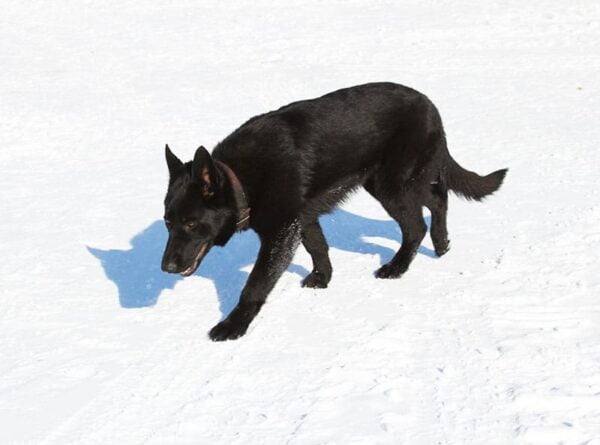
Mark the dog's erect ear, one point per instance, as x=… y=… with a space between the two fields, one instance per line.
x=204 y=171
x=173 y=161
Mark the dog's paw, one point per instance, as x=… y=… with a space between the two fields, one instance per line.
x=315 y=280
x=442 y=247
x=389 y=270
x=227 y=330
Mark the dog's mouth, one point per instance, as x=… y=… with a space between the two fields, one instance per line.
x=199 y=255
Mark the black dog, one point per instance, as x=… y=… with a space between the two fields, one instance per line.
x=279 y=171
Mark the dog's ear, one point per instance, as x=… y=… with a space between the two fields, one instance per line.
x=173 y=161
x=204 y=172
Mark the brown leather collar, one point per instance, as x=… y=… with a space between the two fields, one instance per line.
x=240 y=196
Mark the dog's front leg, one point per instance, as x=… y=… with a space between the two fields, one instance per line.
x=276 y=253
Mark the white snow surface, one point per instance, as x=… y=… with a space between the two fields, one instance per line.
x=496 y=343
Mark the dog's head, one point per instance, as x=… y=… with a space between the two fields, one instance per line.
x=197 y=212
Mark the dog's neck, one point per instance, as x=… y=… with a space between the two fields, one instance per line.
x=243 y=217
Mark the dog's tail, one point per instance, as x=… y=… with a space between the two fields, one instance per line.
x=470 y=185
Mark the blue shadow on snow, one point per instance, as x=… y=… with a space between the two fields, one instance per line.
x=139 y=280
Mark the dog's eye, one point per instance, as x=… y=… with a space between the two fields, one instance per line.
x=168 y=223
x=191 y=224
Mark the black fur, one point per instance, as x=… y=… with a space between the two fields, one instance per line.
x=301 y=161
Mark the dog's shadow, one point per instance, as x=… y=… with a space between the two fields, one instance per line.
x=139 y=280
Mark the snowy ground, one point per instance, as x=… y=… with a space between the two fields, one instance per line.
x=496 y=343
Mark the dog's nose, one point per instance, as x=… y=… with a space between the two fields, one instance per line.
x=171 y=267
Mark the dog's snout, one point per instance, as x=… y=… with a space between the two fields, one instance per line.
x=170 y=267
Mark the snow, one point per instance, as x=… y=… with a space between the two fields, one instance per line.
x=498 y=342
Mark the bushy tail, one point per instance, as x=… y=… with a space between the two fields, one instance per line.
x=470 y=185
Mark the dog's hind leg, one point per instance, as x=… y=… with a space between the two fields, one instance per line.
x=438 y=205
x=276 y=252
x=316 y=245
x=406 y=209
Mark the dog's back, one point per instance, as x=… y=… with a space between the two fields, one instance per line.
x=324 y=141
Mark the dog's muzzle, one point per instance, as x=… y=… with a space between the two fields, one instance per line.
x=199 y=255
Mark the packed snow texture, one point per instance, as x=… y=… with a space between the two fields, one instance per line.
x=496 y=343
